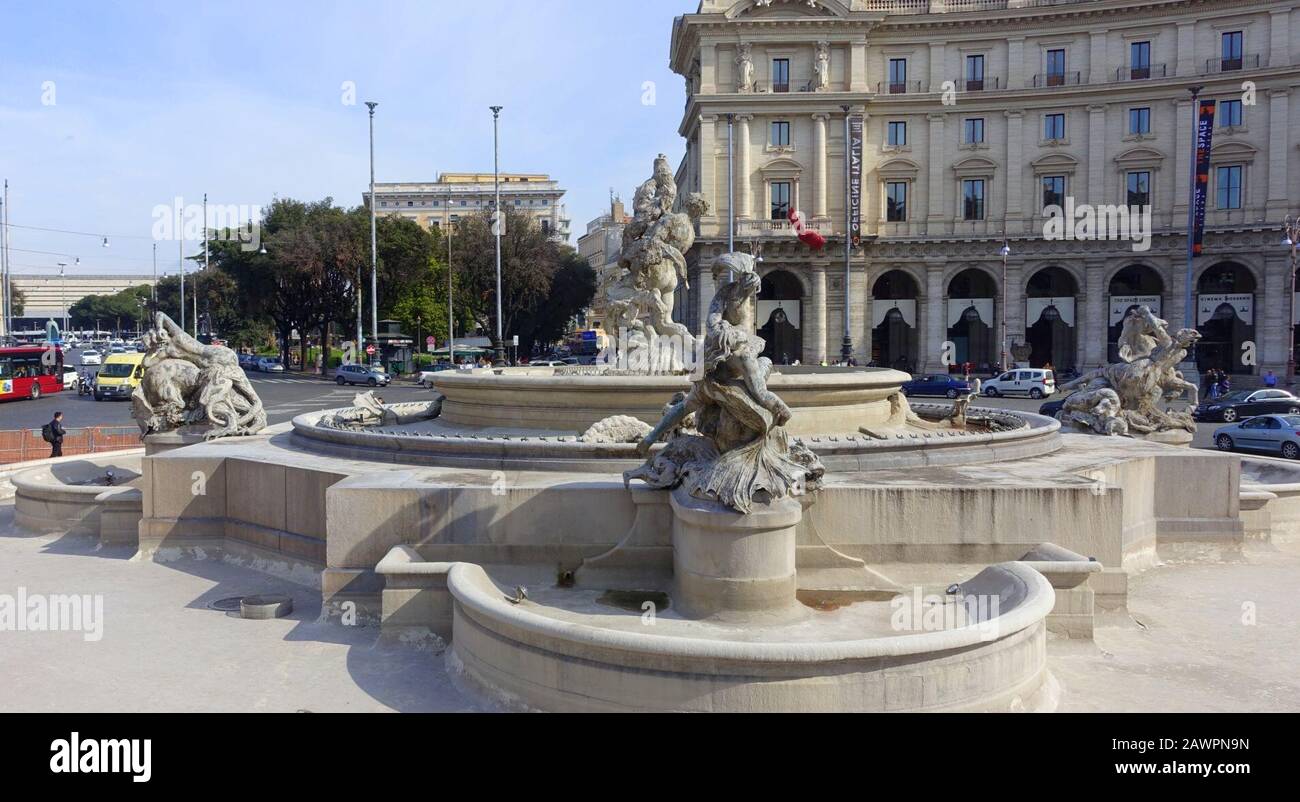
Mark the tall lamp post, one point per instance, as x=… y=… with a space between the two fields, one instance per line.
x=1291 y=240
x=498 y=357
x=1188 y=367
x=63 y=294
x=1006 y=251
x=451 y=313
x=374 y=258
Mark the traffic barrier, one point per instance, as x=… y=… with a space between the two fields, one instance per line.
x=20 y=445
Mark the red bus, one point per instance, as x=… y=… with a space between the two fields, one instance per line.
x=29 y=371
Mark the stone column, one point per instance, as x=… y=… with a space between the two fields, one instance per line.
x=1015 y=175
x=861 y=311
x=1015 y=309
x=936 y=319
x=814 y=343
x=706 y=288
x=1096 y=155
x=938 y=212
x=1016 y=77
x=716 y=194
x=820 y=172
x=1186 y=65
x=1097 y=61
x=1181 y=160
x=1093 y=319
x=1279 y=143
x=1279 y=47
x=1177 y=273
x=743 y=199
x=1273 y=313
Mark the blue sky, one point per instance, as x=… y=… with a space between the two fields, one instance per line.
x=244 y=101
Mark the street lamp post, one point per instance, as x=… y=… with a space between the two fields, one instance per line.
x=1188 y=367
x=63 y=294
x=1291 y=240
x=499 y=352
x=1006 y=251
x=374 y=258
x=451 y=314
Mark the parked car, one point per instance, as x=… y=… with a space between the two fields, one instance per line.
x=1275 y=434
x=936 y=384
x=248 y=361
x=269 y=364
x=91 y=357
x=1052 y=407
x=426 y=376
x=1033 y=382
x=361 y=374
x=1246 y=403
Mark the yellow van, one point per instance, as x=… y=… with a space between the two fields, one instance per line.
x=119 y=376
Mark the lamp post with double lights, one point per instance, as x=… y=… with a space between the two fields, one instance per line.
x=374 y=259
x=498 y=355
x=1291 y=241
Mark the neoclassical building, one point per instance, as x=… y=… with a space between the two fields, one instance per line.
x=976 y=116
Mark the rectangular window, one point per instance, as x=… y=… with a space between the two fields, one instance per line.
x=1229 y=113
x=1053 y=126
x=1232 y=55
x=1056 y=67
x=896 y=201
x=1139 y=188
x=897 y=133
x=974 y=73
x=1139 y=60
x=780 y=200
x=974 y=131
x=972 y=195
x=1053 y=191
x=780 y=75
x=897 y=76
x=780 y=134
x=1229 y=187
x=1139 y=120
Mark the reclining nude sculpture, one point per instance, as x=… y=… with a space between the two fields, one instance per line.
x=1123 y=398
x=187 y=383
x=738 y=448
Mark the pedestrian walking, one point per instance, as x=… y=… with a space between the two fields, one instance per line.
x=1270 y=380
x=52 y=433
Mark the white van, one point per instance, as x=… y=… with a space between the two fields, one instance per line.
x=1033 y=382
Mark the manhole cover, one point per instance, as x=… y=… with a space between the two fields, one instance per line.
x=227 y=605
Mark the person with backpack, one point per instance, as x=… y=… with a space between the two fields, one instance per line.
x=52 y=433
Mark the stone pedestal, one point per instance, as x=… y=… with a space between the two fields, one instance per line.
x=167 y=441
x=728 y=564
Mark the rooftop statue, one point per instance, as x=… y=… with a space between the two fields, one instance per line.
x=739 y=448
x=1124 y=398
x=187 y=383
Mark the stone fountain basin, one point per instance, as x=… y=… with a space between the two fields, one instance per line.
x=558 y=651
x=1270 y=497
x=820 y=399
x=70 y=497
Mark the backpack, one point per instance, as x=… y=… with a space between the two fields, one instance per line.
x=47 y=432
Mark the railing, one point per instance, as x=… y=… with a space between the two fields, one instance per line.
x=1250 y=61
x=899 y=87
x=978 y=84
x=774 y=227
x=1141 y=73
x=957 y=6
x=1057 y=79
x=20 y=445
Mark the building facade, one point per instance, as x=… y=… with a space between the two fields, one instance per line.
x=443 y=202
x=47 y=296
x=977 y=116
x=600 y=247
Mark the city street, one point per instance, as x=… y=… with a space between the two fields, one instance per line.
x=284 y=395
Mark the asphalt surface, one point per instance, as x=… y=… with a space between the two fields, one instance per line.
x=288 y=394
x=284 y=395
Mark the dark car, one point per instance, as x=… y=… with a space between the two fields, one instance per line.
x=1247 y=403
x=936 y=384
x=1052 y=407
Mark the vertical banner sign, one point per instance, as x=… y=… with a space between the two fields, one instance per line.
x=855 y=180
x=1204 y=134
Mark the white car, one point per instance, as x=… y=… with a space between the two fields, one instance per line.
x=91 y=357
x=70 y=378
x=1033 y=382
x=270 y=364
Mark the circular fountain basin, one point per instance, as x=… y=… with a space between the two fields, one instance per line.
x=70 y=496
x=564 y=650
x=532 y=419
x=1270 y=497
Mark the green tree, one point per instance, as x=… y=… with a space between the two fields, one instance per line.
x=572 y=287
